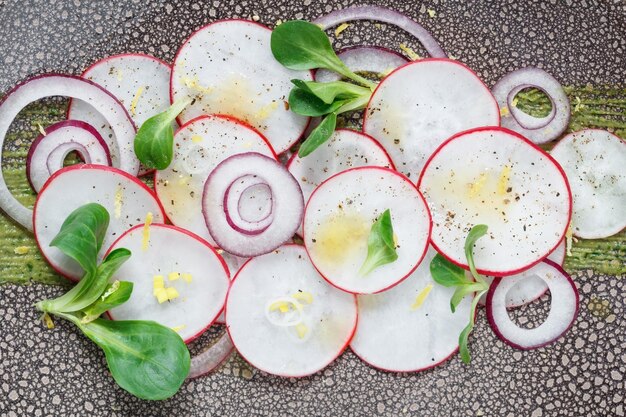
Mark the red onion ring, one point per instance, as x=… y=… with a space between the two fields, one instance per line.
x=373 y=59
x=211 y=357
x=234 y=206
x=537 y=129
x=384 y=15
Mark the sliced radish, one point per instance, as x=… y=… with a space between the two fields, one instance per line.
x=48 y=152
x=177 y=259
x=49 y=85
x=338 y=219
x=421 y=104
x=594 y=162
x=409 y=327
x=127 y=200
x=212 y=357
x=370 y=59
x=563 y=309
x=496 y=177
x=531 y=287
x=275 y=209
x=198 y=147
x=234 y=263
x=257 y=320
x=227 y=67
x=140 y=82
x=344 y=150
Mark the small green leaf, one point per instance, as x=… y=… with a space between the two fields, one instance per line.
x=301 y=45
x=319 y=135
x=475 y=233
x=381 y=248
x=331 y=91
x=147 y=359
x=446 y=273
x=154 y=142
x=306 y=104
x=461 y=292
x=114 y=295
x=464 y=336
x=82 y=233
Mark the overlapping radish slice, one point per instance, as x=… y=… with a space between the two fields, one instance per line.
x=260 y=320
x=369 y=59
x=421 y=104
x=563 y=309
x=140 y=82
x=198 y=147
x=50 y=85
x=594 y=161
x=409 y=327
x=530 y=287
x=212 y=357
x=47 y=153
x=257 y=217
x=127 y=200
x=496 y=177
x=227 y=67
x=234 y=263
x=344 y=150
x=338 y=219
x=166 y=257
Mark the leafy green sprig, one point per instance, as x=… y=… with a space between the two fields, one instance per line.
x=301 y=45
x=147 y=359
x=381 y=248
x=447 y=274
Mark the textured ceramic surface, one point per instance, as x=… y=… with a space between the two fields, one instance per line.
x=60 y=373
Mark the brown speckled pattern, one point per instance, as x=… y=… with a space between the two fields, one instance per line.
x=60 y=373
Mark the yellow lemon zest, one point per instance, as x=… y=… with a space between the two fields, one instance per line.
x=304 y=296
x=301 y=330
x=187 y=277
x=119 y=200
x=133 y=104
x=197 y=138
x=282 y=306
x=146 y=232
x=41 y=129
x=421 y=297
x=158 y=283
x=48 y=320
x=477 y=185
x=172 y=293
x=410 y=52
x=341 y=28
x=173 y=276
x=432 y=13
x=21 y=250
x=161 y=295
x=504 y=111
x=503 y=182
x=179 y=328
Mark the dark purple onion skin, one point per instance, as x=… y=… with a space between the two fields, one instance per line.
x=56 y=126
x=495 y=329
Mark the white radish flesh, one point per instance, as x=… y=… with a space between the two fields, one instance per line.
x=47 y=153
x=594 y=162
x=198 y=147
x=234 y=263
x=329 y=318
x=409 y=327
x=127 y=200
x=122 y=153
x=494 y=176
x=420 y=105
x=563 y=308
x=227 y=67
x=184 y=262
x=338 y=219
x=286 y=202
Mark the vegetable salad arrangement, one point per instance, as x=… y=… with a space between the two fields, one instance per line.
x=301 y=237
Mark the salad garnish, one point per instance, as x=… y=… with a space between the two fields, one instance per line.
x=381 y=248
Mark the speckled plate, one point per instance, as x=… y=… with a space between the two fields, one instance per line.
x=60 y=373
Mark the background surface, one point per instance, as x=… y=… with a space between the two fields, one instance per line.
x=60 y=373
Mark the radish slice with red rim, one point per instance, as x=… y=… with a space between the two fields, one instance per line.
x=563 y=309
x=284 y=202
x=212 y=357
x=594 y=162
x=369 y=59
x=127 y=200
x=344 y=150
x=531 y=287
x=49 y=85
x=384 y=15
x=199 y=146
x=234 y=263
x=47 y=153
x=410 y=327
x=420 y=105
x=328 y=315
x=338 y=219
x=176 y=259
x=496 y=177
x=227 y=67
x=537 y=129
x=140 y=82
